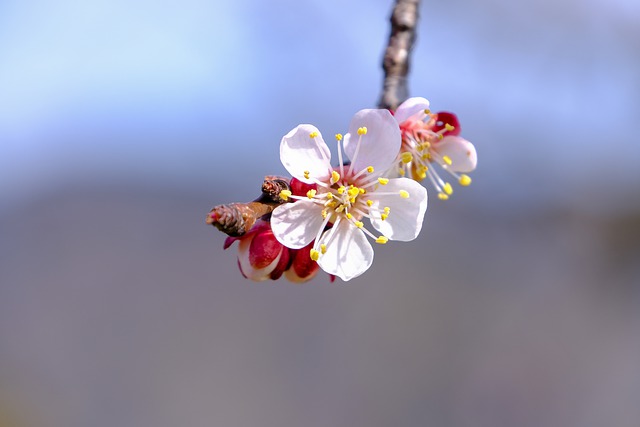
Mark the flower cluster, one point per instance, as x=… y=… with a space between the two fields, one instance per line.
x=321 y=222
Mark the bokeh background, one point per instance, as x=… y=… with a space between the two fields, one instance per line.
x=122 y=123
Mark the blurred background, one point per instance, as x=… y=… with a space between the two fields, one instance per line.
x=122 y=123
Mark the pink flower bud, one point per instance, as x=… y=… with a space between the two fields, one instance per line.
x=444 y=118
x=262 y=257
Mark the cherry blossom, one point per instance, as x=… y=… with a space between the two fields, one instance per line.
x=429 y=139
x=330 y=216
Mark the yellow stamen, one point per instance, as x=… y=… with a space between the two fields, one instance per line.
x=383 y=181
x=442 y=196
x=285 y=194
x=362 y=130
x=401 y=172
x=314 y=254
x=323 y=248
x=464 y=180
x=447 y=160
x=440 y=136
x=329 y=196
x=387 y=209
x=382 y=240
x=338 y=137
x=370 y=169
x=359 y=224
x=324 y=214
x=406 y=157
x=404 y=194
x=341 y=190
x=448 y=189
x=449 y=127
x=349 y=216
x=311 y=193
x=384 y=216
x=335 y=177
x=426 y=156
x=427 y=111
x=369 y=203
x=313 y=135
x=362 y=191
x=306 y=174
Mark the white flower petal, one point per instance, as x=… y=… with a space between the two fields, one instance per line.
x=299 y=153
x=381 y=144
x=296 y=224
x=349 y=254
x=406 y=214
x=247 y=270
x=461 y=152
x=411 y=107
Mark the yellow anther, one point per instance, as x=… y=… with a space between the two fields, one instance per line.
x=311 y=193
x=362 y=191
x=370 y=169
x=387 y=209
x=362 y=130
x=426 y=156
x=369 y=203
x=335 y=177
x=329 y=196
x=447 y=160
x=340 y=208
x=352 y=200
x=440 y=136
x=306 y=174
x=404 y=194
x=285 y=194
x=422 y=175
x=323 y=248
x=447 y=188
x=382 y=240
x=384 y=216
x=314 y=254
x=383 y=181
x=427 y=111
x=349 y=216
x=353 y=191
x=449 y=127
x=406 y=157
x=313 y=135
x=427 y=145
x=442 y=196
x=464 y=180
x=338 y=137
x=401 y=172
x=324 y=213
x=341 y=190
x=359 y=224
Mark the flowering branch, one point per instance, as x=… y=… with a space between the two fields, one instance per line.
x=235 y=219
x=396 y=57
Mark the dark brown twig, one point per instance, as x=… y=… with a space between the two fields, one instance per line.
x=404 y=19
x=235 y=219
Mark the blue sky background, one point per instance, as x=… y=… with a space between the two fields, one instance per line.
x=167 y=92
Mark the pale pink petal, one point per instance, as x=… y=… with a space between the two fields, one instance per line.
x=412 y=107
x=379 y=146
x=461 y=152
x=299 y=153
x=349 y=254
x=405 y=215
x=247 y=270
x=295 y=225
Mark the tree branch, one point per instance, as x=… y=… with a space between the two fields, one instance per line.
x=235 y=219
x=404 y=19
